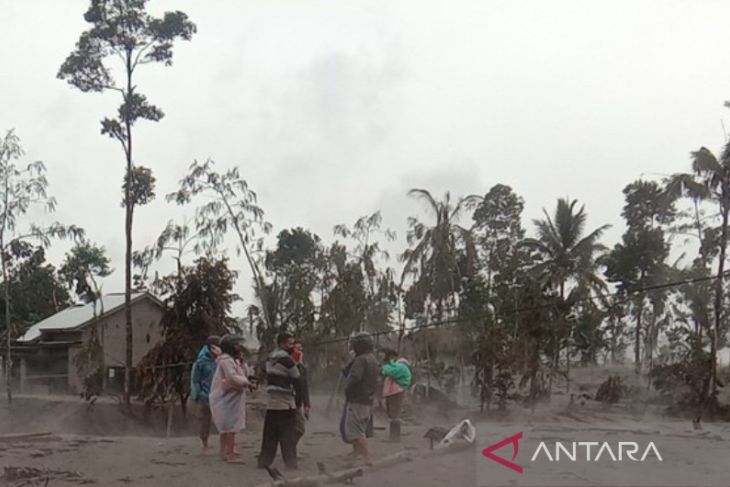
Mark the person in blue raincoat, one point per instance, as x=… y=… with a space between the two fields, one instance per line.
x=201 y=377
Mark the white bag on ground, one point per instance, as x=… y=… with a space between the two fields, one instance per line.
x=464 y=430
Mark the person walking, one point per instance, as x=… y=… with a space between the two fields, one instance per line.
x=201 y=377
x=284 y=397
x=360 y=387
x=228 y=396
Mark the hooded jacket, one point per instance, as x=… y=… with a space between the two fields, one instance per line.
x=399 y=371
x=398 y=377
x=201 y=376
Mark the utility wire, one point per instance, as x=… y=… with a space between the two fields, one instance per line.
x=628 y=293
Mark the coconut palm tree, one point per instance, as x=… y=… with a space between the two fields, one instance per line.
x=433 y=259
x=710 y=181
x=568 y=256
x=438 y=256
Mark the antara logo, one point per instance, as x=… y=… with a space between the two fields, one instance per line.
x=514 y=440
x=572 y=451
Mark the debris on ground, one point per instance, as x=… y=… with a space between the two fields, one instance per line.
x=611 y=390
x=464 y=430
x=31 y=476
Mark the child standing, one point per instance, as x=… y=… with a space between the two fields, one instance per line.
x=398 y=379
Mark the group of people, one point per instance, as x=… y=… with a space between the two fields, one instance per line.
x=220 y=381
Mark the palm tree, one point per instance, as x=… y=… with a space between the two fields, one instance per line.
x=710 y=181
x=435 y=251
x=568 y=255
x=433 y=259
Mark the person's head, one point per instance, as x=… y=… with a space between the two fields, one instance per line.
x=390 y=355
x=214 y=343
x=231 y=345
x=298 y=352
x=361 y=343
x=285 y=341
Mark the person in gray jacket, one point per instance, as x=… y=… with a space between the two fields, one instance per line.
x=283 y=391
x=360 y=387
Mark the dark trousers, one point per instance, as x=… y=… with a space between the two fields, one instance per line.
x=301 y=425
x=279 y=429
x=205 y=419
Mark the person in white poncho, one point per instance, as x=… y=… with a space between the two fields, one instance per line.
x=228 y=396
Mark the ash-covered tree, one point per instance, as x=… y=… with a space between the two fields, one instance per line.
x=230 y=204
x=345 y=300
x=497 y=232
x=294 y=277
x=432 y=261
x=709 y=183
x=124 y=36
x=83 y=268
x=569 y=265
x=22 y=187
x=382 y=292
x=489 y=299
x=199 y=307
x=36 y=292
x=639 y=261
x=85 y=264
x=177 y=239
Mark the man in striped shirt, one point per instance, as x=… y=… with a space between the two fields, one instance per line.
x=284 y=397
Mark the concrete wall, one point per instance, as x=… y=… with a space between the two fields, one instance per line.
x=146 y=317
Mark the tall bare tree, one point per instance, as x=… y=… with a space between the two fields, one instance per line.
x=123 y=31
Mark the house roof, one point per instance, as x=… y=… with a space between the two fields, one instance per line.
x=77 y=316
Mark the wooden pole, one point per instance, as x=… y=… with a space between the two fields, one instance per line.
x=170 y=409
x=348 y=475
x=335 y=392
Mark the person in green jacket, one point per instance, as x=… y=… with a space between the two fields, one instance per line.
x=398 y=377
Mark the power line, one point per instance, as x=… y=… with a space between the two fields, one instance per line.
x=629 y=293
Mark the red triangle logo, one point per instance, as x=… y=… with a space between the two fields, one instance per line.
x=514 y=441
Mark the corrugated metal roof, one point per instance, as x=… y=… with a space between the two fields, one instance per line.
x=74 y=316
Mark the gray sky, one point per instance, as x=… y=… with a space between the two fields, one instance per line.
x=334 y=109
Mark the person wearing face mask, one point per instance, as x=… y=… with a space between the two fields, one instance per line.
x=284 y=396
x=201 y=378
